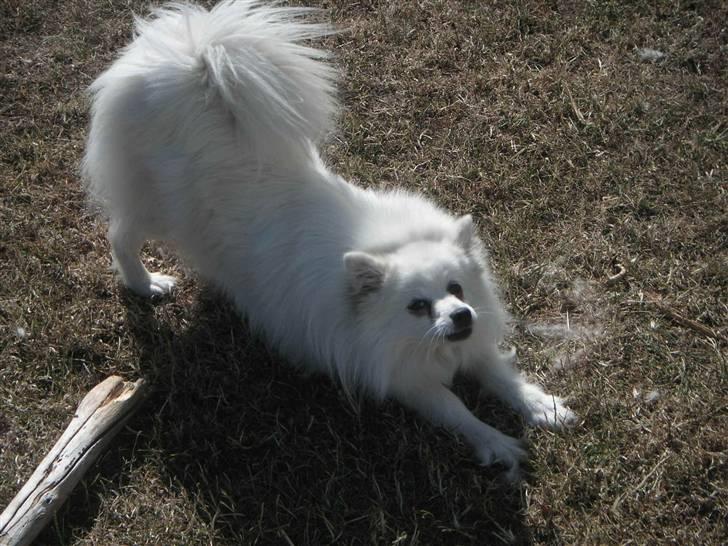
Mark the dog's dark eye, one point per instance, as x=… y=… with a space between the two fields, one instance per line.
x=455 y=289
x=419 y=307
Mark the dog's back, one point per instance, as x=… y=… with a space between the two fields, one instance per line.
x=203 y=135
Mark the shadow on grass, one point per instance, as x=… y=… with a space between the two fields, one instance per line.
x=271 y=455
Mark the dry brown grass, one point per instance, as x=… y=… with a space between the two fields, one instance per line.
x=573 y=153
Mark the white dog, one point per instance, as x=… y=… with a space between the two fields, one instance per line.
x=203 y=135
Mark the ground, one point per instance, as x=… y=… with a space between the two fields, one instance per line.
x=586 y=138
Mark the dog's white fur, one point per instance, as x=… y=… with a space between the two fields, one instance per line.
x=202 y=134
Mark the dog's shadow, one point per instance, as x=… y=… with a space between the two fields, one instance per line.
x=274 y=455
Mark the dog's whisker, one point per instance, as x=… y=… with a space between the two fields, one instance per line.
x=425 y=337
x=483 y=311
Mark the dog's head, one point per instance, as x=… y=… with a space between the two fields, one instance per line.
x=423 y=292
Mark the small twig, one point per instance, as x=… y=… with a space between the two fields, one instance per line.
x=618 y=276
x=575 y=108
x=677 y=318
x=618 y=500
x=688 y=323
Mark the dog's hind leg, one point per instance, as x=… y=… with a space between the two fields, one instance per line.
x=126 y=244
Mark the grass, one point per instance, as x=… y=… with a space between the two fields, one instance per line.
x=574 y=154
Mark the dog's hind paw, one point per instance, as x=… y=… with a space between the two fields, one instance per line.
x=158 y=285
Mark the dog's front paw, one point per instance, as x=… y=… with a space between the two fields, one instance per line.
x=158 y=285
x=548 y=411
x=505 y=450
x=161 y=285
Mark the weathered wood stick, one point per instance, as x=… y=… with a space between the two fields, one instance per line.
x=99 y=417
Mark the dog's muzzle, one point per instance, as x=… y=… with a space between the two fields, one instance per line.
x=462 y=321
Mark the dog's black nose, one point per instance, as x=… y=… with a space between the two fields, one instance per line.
x=462 y=318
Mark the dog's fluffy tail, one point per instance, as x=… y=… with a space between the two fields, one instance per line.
x=248 y=57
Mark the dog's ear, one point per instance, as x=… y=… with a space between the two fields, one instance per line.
x=366 y=272
x=464 y=231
